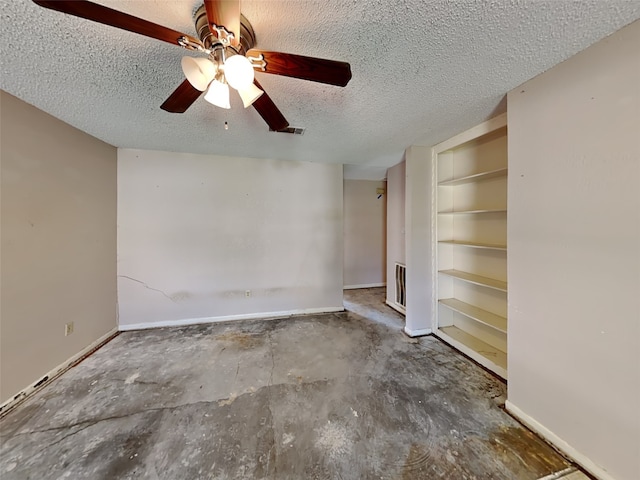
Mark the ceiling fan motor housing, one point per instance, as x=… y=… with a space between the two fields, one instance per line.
x=247 y=35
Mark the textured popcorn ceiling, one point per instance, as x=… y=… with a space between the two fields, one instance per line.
x=423 y=70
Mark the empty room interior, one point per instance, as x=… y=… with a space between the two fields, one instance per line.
x=303 y=239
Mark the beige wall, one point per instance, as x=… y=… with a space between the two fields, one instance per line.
x=58 y=242
x=395 y=224
x=196 y=232
x=574 y=254
x=418 y=195
x=364 y=233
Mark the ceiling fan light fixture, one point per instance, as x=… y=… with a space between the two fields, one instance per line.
x=199 y=71
x=218 y=94
x=215 y=41
x=249 y=95
x=238 y=72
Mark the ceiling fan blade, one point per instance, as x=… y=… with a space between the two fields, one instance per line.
x=269 y=112
x=225 y=13
x=114 y=18
x=307 y=68
x=181 y=99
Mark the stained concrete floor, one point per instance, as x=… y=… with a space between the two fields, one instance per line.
x=336 y=396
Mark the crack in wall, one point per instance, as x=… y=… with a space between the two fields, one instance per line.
x=147 y=286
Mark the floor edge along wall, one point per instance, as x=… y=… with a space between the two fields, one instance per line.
x=557 y=442
x=470 y=251
x=26 y=392
x=228 y=318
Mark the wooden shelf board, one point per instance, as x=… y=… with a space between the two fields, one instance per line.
x=476 y=279
x=487 y=318
x=472 y=212
x=501 y=172
x=483 y=353
x=487 y=246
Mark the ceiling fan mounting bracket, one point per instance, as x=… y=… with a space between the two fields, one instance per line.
x=224 y=35
x=184 y=42
x=258 y=62
x=246 y=41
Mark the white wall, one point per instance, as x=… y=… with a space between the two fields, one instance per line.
x=395 y=224
x=58 y=243
x=196 y=231
x=574 y=254
x=364 y=234
x=418 y=240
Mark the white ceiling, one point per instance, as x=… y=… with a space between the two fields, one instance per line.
x=423 y=70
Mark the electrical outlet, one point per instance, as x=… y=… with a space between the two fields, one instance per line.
x=247 y=293
x=68 y=329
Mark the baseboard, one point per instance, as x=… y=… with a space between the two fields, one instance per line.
x=558 y=443
x=417 y=333
x=56 y=372
x=228 y=318
x=364 y=285
x=566 y=474
x=397 y=308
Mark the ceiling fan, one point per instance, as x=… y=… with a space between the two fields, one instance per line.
x=226 y=38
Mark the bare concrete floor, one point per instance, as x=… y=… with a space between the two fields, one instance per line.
x=334 y=396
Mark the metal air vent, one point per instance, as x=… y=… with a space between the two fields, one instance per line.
x=293 y=130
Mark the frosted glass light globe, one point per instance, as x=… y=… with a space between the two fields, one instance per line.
x=250 y=95
x=199 y=71
x=238 y=72
x=218 y=94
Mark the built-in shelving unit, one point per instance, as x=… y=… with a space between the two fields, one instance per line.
x=477 y=279
x=475 y=313
x=471 y=212
x=471 y=243
x=499 y=172
x=474 y=244
x=491 y=357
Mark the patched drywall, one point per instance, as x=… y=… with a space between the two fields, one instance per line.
x=395 y=224
x=574 y=254
x=58 y=242
x=204 y=237
x=364 y=233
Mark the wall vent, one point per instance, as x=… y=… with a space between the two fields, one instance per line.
x=401 y=290
x=293 y=130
